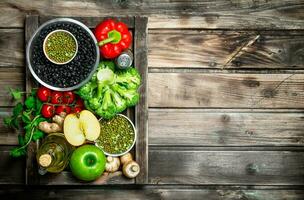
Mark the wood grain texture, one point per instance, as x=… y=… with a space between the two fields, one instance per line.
x=196 y=127
x=192 y=48
x=226 y=167
x=149 y=193
x=10 y=78
x=245 y=14
x=8 y=136
x=91 y=22
x=141 y=109
x=11 y=169
x=11 y=47
x=226 y=90
x=211 y=49
x=31 y=170
x=66 y=178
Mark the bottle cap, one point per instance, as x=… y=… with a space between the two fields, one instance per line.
x=124 y=60
x=45 y=160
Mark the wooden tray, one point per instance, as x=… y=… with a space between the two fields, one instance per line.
x=138 y=114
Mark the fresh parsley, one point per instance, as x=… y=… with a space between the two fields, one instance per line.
x=27 y=114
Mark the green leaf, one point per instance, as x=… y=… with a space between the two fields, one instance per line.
x=16 y=94
x=21 y=140
x=27 y=127
x=39 y=105
x=30 y=102
x=33 y=92
x=27 y=135
x=8 y=121
x=26 y=118
x=15 y=123
x=36 y=122
x=17 y=109
x=37 y=135
x=18 y=152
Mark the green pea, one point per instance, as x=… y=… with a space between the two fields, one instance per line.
x=61 y=47
x=117 y=135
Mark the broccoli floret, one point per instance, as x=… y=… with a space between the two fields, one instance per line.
x=87 y=106
x=131 y=96
x=105 y=77
x=107 y=64
x=94 y=103
x=111 y=91
x=86 y=91
x=119 y=102
x=129 y=78
x=107 y=109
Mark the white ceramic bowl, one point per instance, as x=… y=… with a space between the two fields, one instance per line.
x=44 y=46
x=129 y=149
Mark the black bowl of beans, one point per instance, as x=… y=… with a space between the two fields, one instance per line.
x=65 y=67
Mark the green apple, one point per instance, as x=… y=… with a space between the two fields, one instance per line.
x=87 y=162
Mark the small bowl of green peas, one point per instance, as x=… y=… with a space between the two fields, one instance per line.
x=60 y=47
x=117 y=135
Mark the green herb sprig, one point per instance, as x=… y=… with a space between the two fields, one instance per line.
x=26 y=115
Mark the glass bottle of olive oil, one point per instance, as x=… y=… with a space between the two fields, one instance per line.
x=54 y=153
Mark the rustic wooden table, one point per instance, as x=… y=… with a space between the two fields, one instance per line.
x=225 y=97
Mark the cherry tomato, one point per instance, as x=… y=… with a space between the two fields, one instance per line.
x=79 y=103
x=57 y=97
x=48 y=111
x=76 y=110
x=68 y=97
x=63 y=108
x=44 y=94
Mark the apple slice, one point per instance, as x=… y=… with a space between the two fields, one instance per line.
x=78 y=127
x=90 y=125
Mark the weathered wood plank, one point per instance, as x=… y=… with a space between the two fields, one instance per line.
x=244 y=14
x=153 y=194
x=10 y=78
x=196 y=127
x=203 y=90
x=226 y=90
x=226 y=167
x=11 y=169
x=31 y=171
x=8 y=136
x=141 y=109
x=66 y=178
x=11 y=47
x=91 y=22
x=211 y=49
x=193 y=48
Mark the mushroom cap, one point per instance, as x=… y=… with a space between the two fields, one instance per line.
x=126 y=158
x=131 y=169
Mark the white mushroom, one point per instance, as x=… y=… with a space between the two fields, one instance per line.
x=131 y=169
x=112 y=164
x=126 y=158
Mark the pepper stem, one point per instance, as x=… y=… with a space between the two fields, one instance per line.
x=113 y=37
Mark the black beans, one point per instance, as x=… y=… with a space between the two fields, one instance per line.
x=69 y=74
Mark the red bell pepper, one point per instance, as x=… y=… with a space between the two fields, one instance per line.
x=113 y=37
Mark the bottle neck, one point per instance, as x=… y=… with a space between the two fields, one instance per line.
x=45 y=160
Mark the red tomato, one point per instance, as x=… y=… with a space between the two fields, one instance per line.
x=57 y=97
x=48 y=111
x=44 y=94
x=63 y=108
x=68 y=97
x=76 y=110
x=79 y=103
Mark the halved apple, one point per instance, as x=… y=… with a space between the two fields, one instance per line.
x=78 y=127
